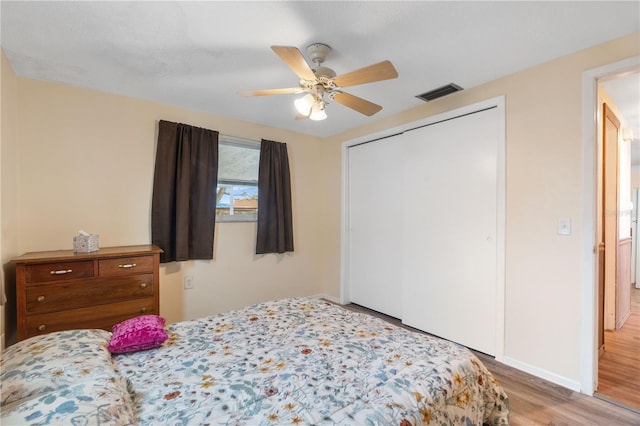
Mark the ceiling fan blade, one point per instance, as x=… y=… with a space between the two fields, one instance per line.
x=271 y=91
x=381 y=71
x=358 y=104
x=292 y=57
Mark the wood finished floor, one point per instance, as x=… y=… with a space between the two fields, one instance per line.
x=534 y=401
x=619 y=365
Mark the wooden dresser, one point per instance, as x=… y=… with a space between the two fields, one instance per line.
x=62 y=290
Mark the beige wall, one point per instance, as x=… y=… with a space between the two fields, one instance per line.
x=86 y=161
x=9 y=235
x=635 y=177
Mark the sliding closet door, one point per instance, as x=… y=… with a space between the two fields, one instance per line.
x=449 y=229
x=375 y=230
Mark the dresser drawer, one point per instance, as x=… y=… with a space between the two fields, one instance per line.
x=125 y=266
x=68 y=295
x=103 y=316
x=58 y=271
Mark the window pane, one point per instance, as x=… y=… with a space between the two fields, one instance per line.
x=237 y=192
x=237 y=200
x=238 y=163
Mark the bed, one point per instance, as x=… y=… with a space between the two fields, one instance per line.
x=290 y=361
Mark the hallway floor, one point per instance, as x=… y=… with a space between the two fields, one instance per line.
x=619 y=365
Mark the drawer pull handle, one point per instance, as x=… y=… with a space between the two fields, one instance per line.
x=143 y=310
x=127 y=265
x=40 y=299
x=42 y=327
x=143 y=285
x=61 y=272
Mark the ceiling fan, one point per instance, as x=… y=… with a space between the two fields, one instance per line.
x=321 y=82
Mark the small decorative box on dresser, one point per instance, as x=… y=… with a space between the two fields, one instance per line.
x=62 y=290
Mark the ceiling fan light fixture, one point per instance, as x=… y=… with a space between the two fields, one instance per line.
x=317 y=111
x=303 y=105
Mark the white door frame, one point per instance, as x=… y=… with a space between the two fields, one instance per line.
x=590 y=113
x=498 y=102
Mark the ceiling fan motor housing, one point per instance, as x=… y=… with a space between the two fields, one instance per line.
x=324 y=72
x=318 y=52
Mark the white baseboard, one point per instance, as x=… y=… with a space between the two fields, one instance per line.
x=326 y=296
x=543 y=374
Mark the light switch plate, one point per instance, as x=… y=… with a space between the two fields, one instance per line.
x=564 y=226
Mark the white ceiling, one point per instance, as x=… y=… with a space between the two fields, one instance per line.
x=200 y=54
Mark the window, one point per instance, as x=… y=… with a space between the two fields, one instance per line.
x=237 y=191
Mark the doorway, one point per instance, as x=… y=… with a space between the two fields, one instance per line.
x=618 y=350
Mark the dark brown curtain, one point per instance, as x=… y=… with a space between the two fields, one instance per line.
x=183 y=207
x=275 y=225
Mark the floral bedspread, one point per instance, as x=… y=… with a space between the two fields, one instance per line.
x=307 y=361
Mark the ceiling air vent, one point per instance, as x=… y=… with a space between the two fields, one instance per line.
x=439 y=92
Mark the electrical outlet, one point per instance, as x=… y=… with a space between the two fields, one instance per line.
x=188 y=282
